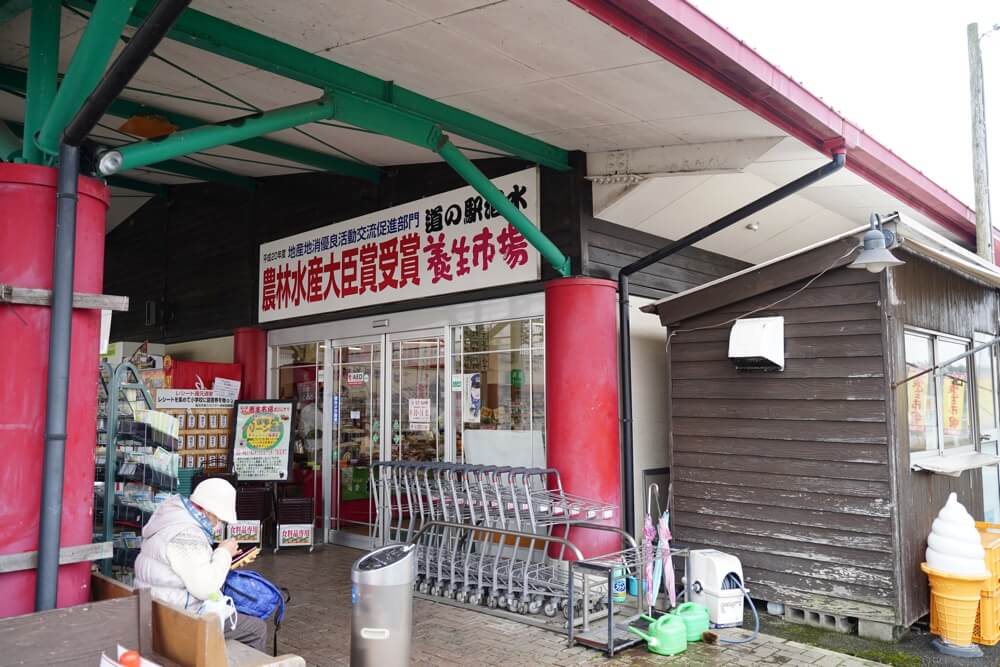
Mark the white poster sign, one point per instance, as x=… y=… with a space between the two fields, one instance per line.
x=262 y=440
x=450 y=242
x=190 y=398
x=226 y=388
x=420 y=410
x=295 y=535
x=245 y=531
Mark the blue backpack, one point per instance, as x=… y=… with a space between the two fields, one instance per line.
x=254 y=595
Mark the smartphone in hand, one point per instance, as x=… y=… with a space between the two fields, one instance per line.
x=245 y=557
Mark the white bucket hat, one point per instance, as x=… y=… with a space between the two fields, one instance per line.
x=217 y=496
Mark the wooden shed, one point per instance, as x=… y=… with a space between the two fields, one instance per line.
x=807 y=474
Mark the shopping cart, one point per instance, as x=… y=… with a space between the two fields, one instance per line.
x=487 y=535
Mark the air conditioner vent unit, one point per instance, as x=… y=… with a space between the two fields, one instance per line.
x=758 y=344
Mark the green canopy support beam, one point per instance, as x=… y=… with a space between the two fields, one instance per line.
x=484 y=186
x=126 y=109
x=197 y=139
x=85 y=69
x=43 y=71
x=246 y=46
x=206 y=174
x=11 y=9
x=385 y=119
x=154 y=189
x=10 y=143
x=15 y=80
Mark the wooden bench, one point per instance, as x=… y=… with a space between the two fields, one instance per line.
x=193 y=641
x=197 y=641
x=78 y=635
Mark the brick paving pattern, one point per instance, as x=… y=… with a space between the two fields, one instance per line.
x=318 y=627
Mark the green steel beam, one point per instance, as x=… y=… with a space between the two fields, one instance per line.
x=246 y=46
x=11 y=9
x=43 y=71
x=85 y=69
x=10 y=143
x=171 y=166
x=385 y=119
x=206 y=174
x=15 y=80
x=154 y=189
x=202 y=138
x=262 y=145
x=478 y=180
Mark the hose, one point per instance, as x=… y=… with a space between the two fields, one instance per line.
x=731 y=582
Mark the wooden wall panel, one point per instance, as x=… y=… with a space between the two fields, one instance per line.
x=922 y=294
x=788 y=470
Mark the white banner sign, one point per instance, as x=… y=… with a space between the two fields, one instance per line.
x=450 y=242
x=245 y=531
x=190 y=398
x=295 y=535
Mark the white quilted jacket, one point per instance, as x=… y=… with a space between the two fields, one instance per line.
x=177 y=561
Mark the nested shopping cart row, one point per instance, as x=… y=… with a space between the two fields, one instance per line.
x=488 y=535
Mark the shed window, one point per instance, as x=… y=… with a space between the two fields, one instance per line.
x=939 y=404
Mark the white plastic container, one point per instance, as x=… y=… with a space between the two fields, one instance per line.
x=709 y=569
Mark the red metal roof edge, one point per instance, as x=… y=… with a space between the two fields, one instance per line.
x=683 y=35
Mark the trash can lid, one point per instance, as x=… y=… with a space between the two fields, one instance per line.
x=377 y=567
x=384 y=557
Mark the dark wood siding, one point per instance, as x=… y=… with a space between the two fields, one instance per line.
x=609 y=247
x=788 y=471
x=922 y=294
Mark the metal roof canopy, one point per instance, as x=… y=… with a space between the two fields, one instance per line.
x=665 y=76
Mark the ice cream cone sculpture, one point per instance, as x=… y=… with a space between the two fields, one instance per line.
x=956 y=570
x=954 y=604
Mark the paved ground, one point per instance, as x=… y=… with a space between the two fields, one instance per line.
x=317 y=627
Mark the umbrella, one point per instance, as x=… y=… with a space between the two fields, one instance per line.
x=648 y=535
x=665 y=559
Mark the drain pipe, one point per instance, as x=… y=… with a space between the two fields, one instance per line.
x=61 y=324
x=624 y=340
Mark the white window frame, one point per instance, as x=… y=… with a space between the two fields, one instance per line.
x=973 y=406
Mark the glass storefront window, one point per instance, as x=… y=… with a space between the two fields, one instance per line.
x=298 y=376
x=498 y=391
x=921 y=395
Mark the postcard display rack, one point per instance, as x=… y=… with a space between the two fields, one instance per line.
x=136 y=460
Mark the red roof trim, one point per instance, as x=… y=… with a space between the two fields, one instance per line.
x=683 y=35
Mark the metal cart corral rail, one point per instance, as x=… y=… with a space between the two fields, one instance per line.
x=484 y=533
x=613 y=636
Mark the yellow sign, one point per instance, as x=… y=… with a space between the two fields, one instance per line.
x=263 y=431
x=954 y=404
x=918 y=402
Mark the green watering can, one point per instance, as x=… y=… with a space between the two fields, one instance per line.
x=695 y=617
x=666 y=635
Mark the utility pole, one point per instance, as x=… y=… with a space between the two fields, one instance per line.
x=980 y=165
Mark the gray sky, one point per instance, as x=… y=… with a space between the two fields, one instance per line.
x=899 y=72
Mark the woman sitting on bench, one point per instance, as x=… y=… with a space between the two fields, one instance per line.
x=179 y=566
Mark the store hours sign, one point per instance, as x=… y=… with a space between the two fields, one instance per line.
x=452 y=242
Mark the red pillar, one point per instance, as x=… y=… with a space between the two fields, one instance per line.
x=581 y=397
x=250 y=350
x=27 y=234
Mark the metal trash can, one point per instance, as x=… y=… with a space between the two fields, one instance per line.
x=382 y=597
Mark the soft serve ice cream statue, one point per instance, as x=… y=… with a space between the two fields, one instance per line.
x=954 y=544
